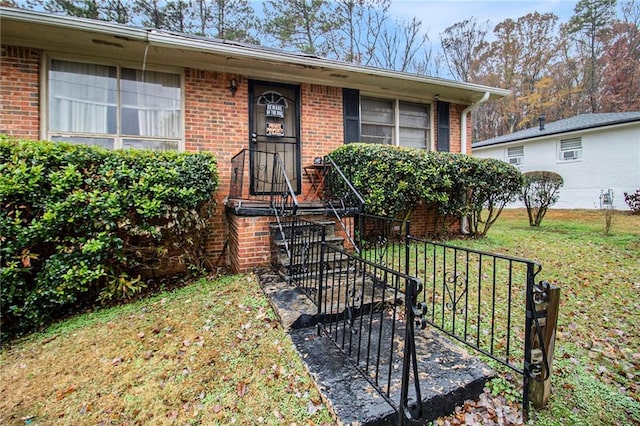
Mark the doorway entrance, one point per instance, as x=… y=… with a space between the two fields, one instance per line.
x=274 y=127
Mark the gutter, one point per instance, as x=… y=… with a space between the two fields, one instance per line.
x=171 y=40
x=464 y=221
x=544 y=134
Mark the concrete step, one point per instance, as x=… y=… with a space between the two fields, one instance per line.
x=306 y=254
x=297 y=243
x=303 y=229
x=448 y=377
x=448 y=374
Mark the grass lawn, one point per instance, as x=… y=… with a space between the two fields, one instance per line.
x=213 y=352
x=596 y=374
x=209 y=353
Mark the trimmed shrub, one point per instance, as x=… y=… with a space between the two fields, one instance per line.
x=80 y=224
x=491 y=184
x=390 y=179
x=633 y=201
x=540 y=190
x=394 y=180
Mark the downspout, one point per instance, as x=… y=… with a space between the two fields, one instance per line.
x=464 y=221
x=463 y=121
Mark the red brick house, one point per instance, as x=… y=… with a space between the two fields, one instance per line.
x=116 y=86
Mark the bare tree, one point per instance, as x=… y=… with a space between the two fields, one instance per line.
x=357 y=31
x=79 y=8
x=399 y=44
x=117 y=11
x=462 y=45
x=177 y=16
x=150 y=13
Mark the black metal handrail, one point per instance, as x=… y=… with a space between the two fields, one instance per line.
x=484 y=300
x=366 y=309
x=283 y=201
x=236 y=184
x=343 y=200
x=271 y=184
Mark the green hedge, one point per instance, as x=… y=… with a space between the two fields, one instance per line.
x=540 y=190
x=394 y=181
x=80 y=224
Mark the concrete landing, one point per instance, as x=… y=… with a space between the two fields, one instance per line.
x=448 y=374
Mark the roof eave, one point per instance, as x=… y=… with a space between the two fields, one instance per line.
x=559 y=132
x=169 y=40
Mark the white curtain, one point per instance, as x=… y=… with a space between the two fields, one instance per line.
x=82 y=98
x=150 y=103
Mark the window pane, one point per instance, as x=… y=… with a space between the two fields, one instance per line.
x=571 y=144
x=413 y=115
x=414 y=125
x=372 y=133
x=413 y=138
x=150 y=144
x=82 y=98
x=150 y=103
x=515 y=151
x=377 y=111
x=102 y=142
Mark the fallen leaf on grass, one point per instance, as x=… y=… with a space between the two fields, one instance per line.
x=242 y=388
x=50 y=339
x=61 y=394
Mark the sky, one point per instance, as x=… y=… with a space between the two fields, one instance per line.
x=436 y=15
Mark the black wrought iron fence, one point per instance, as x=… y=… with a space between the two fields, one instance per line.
x=475 y=297
x=344 y=201
x=366 y=309
x=271 y=186
x=383 y=241
x=236 y=186
x=489 y=302
x=305 y=264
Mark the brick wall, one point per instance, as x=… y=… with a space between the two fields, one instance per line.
x=216 y=121
x=249 y=242
x=322 y=129
x=455 y=112
x=425 y=223
x=19 y=92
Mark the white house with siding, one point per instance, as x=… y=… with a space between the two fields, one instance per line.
x=594 y=154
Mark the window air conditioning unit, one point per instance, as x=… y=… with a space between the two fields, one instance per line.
x=516 y=161
x=570 y=155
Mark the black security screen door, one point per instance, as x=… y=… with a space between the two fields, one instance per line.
x=274 y=126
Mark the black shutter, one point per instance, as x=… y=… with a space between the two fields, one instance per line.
x=351 y=108
x=443 y=126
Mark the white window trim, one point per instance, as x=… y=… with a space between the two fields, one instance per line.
x=518 y=158
x=396 y=117
x=45 y=64
x=559 y=151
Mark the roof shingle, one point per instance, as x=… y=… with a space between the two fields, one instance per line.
x=578 y=122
